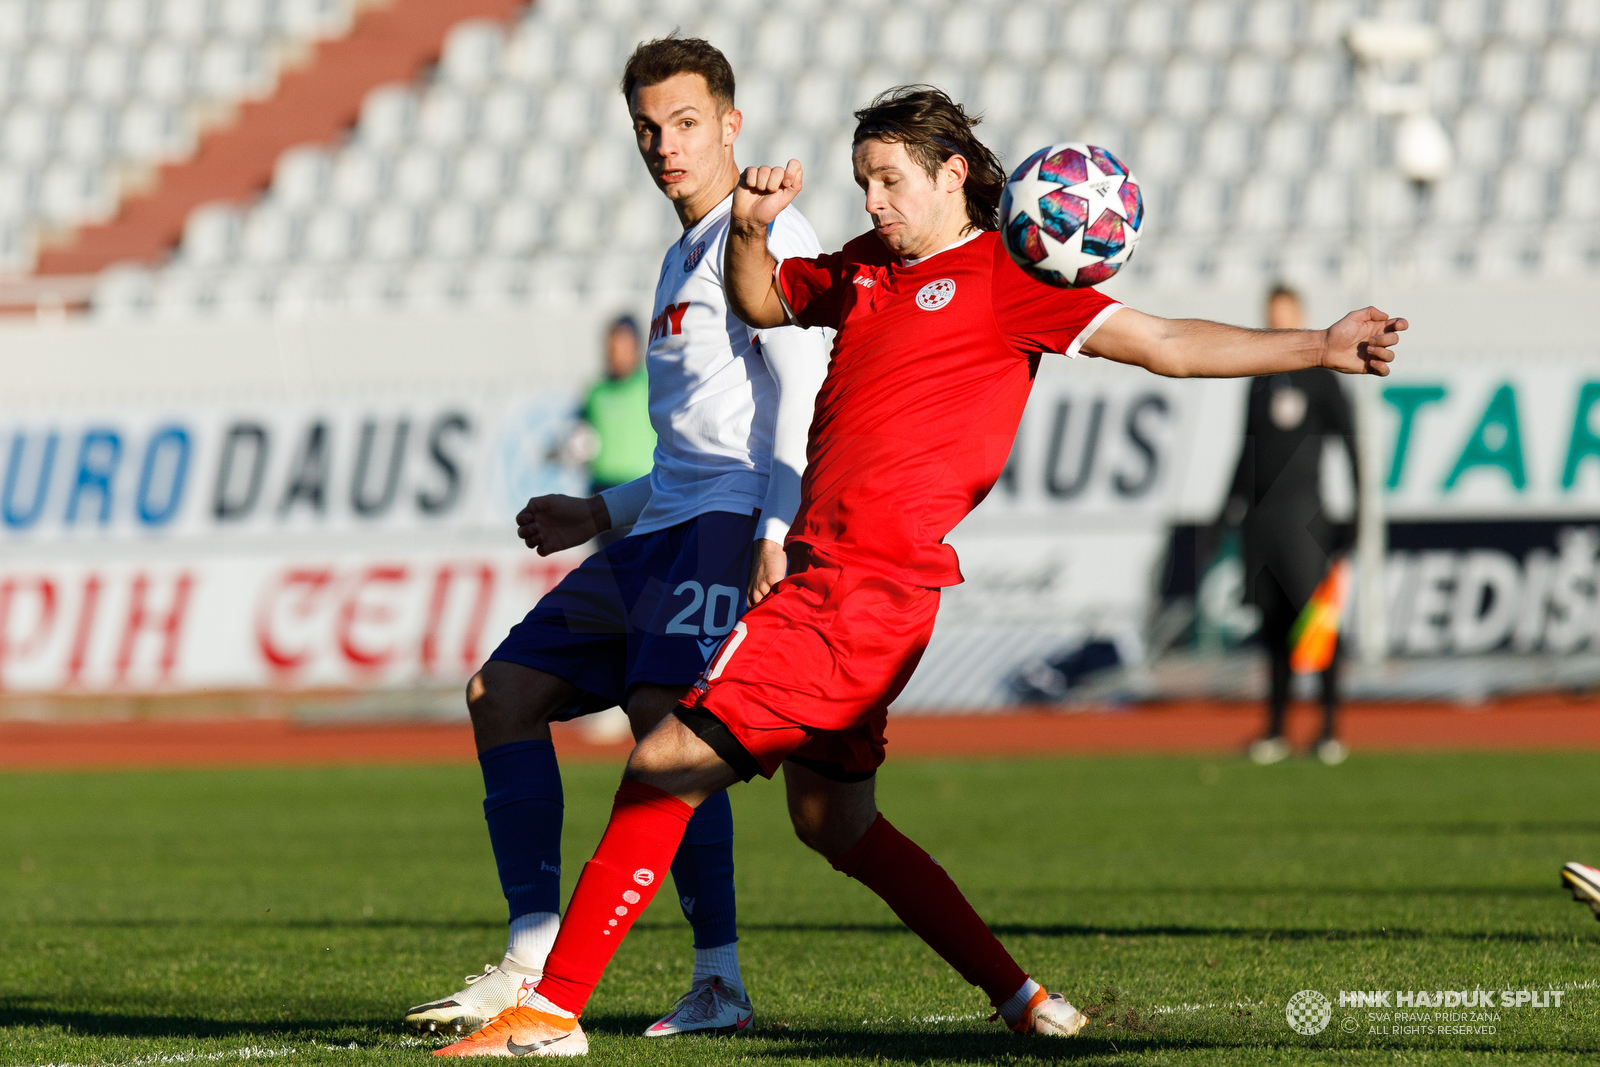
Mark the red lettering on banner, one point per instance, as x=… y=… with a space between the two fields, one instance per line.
x=87 y=608
x=442 y=581
x=141 y=619
x=44 y=621
x=356 y=612
x=309 y=584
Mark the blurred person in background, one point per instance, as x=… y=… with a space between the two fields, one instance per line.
x=618 y=409
x=1289 y=542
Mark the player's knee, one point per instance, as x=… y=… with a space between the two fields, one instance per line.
x=491 y=701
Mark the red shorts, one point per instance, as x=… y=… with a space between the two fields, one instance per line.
x=811 y=671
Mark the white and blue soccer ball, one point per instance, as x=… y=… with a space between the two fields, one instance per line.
x=1071 y=215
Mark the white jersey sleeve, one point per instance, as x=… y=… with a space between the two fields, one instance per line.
x=797 y=359
x=625 y=502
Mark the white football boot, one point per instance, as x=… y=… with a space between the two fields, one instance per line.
x=708 y=1008
x=485 y=996
x=1584 y=881
x=1050 y=1015
x=1269 y=750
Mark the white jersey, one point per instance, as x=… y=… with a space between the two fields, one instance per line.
x=713 y=399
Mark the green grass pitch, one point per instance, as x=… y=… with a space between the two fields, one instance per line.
x=216 y=917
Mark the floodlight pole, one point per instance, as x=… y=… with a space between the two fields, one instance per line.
x=1375 y=44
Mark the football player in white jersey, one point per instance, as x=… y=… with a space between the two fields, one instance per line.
x=636 y=622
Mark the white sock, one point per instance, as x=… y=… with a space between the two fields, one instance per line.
x=537 y=1002
x=723 y=962
x=532 y=937
x=1012 y=1009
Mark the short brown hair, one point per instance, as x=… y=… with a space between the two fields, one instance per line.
x=653 y=62
x=933 y=128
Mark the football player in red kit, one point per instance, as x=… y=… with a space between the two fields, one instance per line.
x=939 y=336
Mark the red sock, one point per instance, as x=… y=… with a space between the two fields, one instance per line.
x=909 y=881
x=616 y=886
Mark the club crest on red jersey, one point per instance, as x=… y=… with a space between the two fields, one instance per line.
x=696 y=254
x=935 y=295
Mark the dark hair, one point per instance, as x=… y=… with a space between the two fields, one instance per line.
x=1283 y=289
x=933 y=128
x=624 y=322
x=653 y=62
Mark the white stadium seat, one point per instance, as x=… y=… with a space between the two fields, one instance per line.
x=393 y=232
x=270 y=235
x=516 y=229
x=109 y=73
x=454 y=231
x=248 y=19
x=359 y=176
x=88 y=133
x=211 y=235
x=166 y=71
x=447 y=116
x=185 y=20
x=472 y=53
x=421 y=174
x=1190 y=87
x=1506 y=74
x=49 y=73
x=69 y=22
x=127 y=21
x=1212 y=27
x=300 y=178
x=1464 y=22
x=29 y=134
x=388 y=116
x=482 y=174
x=1150 y=28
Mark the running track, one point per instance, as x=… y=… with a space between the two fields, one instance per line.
x=1543 y=722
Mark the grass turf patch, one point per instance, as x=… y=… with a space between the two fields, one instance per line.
x=213 y=917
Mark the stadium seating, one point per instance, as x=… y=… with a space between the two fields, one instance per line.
x=510 y=173
x=97 y=92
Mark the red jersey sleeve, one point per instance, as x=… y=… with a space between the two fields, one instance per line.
x=813 y=290
x=1035 y=317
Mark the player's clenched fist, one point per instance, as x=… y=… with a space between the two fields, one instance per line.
x=1360 y=342
x=764 y=191
x=551 y=524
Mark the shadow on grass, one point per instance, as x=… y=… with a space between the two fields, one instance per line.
x=19 y=1012
x=1242 y=933
x=771 y=1041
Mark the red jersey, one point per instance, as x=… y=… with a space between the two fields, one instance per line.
x=930 y=372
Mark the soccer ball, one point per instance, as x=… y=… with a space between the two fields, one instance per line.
x=1071 y=215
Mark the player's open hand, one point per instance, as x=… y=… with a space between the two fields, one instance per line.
x=551 y=524
x=768 y=567
x=1362 y=342
x=762 y=192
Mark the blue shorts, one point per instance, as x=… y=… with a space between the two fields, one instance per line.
x=648 y=608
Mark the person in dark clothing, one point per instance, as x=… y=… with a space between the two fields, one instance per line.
x=1288 y=540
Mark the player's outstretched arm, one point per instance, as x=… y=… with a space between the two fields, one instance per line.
x=747 y=269
x=553 y=523
x=1360 y=343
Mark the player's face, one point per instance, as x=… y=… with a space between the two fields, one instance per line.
x=622 y=353
x=1284 y=313
x=685 y=137
x=911 y=212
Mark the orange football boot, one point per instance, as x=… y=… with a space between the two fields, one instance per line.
x=522 y=1032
